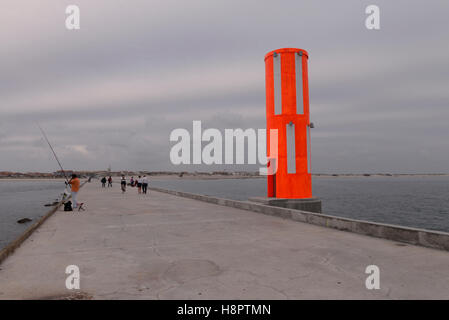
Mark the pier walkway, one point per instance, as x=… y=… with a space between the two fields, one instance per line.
x=160 y=246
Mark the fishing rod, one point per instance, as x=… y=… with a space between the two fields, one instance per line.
x=54 y=153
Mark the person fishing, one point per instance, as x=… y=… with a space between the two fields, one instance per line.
x=75 y=187
x=74 y=182
x=123 y=184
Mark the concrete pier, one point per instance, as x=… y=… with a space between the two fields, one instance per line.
x=310 y=205
x=160 y=246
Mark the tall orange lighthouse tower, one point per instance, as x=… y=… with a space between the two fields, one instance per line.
x=287 y=108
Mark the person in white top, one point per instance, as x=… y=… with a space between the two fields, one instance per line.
x=144 y=181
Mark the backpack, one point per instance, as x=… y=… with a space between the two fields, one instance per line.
x=68 y=206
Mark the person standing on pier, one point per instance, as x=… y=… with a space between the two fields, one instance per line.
x=139 y=185
x=144 y=184
x=103 y=182
x=75 y=187
x=110 y=182
x=123 y=184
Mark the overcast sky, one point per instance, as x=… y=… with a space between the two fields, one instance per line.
x=111 y=92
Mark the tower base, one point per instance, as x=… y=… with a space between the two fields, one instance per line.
x=309 y=204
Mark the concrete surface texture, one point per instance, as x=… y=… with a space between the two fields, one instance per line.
x=311 y=204
x=160 y=246
x=414 y=236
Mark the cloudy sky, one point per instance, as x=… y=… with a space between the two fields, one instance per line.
x=111 y=92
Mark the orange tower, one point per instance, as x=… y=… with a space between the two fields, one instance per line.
x=287 y=94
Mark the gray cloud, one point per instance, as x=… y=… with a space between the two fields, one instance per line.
x=112 y=92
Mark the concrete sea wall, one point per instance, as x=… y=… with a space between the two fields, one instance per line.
x=9 y=248
x=421 y=237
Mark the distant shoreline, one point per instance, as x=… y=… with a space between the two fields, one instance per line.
x=206 y=176
x=33 y=179
x=382 y=175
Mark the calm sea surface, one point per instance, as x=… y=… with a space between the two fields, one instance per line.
x=421 y=202
x=24 y=199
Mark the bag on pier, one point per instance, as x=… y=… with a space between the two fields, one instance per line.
x=68 y=206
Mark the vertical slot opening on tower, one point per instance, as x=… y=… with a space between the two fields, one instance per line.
x=277 y=84
x=291 y=154
x=299 y=88
x=309 y=158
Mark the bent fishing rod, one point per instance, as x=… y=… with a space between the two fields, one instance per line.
x=54 y=153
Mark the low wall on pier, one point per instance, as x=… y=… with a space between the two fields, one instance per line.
x=421 y=237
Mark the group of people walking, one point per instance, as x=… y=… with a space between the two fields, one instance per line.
x=108 y=180
x=141 y=183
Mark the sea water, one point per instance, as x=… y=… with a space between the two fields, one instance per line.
x=24 y=199
x=413 y=201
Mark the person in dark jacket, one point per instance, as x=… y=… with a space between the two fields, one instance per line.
x=103 y=182
x=123 y=184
